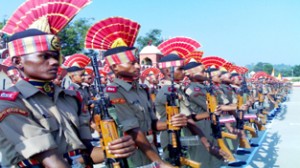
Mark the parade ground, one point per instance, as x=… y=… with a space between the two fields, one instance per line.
x=279 y=144
x=280 y=147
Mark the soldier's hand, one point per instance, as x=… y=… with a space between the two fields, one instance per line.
x=244 y=107
x=179 y=120
x=219 y=153
x=164 y=165
x=122 y=147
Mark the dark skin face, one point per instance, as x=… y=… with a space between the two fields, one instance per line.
x=216 y=76
x=77 y=77
x=129 y=70
x=178 y=73
x=197 y=74
x=88 y=79
x=15 y=75
x=40 y=65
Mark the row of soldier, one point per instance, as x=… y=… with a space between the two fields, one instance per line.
x=140 y=116
x=45 y=125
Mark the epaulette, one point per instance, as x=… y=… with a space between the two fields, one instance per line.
x=75 y=94
x=144 y=86
x=111 y=89
x=197 y=89
x=8 y=95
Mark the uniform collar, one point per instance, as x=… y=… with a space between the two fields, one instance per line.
x=77 y=86
x=28 y=90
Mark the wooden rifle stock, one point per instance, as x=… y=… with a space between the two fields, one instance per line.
x=244 y=143
x=105 y=124
x=190 y=163
x=176 y=155
x=215 y=124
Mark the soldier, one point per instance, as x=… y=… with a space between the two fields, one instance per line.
x=133 y=106
x=196 y=92
x=40 y=123
x=14 y=74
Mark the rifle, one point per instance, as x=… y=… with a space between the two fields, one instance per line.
x=3 y=86
x=105 y=124
x=215 y=123
x=176 y=155
x=261 y=113
x=244 y=143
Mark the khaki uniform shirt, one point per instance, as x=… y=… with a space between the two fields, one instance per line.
x=83 y=90
x=196 y=93
x=220 y=95
x=160 y=106
x=33 y=123
x=133 y=109
x=229 y=92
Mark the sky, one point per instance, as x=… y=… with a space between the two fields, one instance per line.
x=240 y=31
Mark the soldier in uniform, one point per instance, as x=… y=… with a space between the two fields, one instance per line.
x=208 y=155
x=133 y=106
x=42 y=125
x=14 y=74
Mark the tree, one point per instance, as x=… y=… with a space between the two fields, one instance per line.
x=153 y=37
x=73 y=35
x=296 y=70
x=267 y=67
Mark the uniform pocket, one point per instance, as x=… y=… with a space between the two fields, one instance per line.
x=49 y=123
x=138 y=109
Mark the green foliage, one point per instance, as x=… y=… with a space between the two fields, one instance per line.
x=153 y=36
x=296 y=70
x=295 y=79
x=73 y=35
x=263 y=67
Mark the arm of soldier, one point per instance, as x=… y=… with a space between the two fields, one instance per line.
x=143 y=144
x=51 y=159
x=198 y=97
x=122 y=147
x=208 y=145
x=27 y=135
x=178 y=120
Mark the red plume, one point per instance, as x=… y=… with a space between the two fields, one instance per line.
x=213 y=60
x=181 y=45
x=104 y=33
x=7 y=62
x=260 y=74
x=80 y=60
x=146 y=72
x=54 y=13
x=196 y=55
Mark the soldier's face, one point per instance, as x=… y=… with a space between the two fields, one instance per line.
x=152 y=78
x=225 y=77
x=198 y=73
x=40 y=65
x=88 y=79
x=216 y=76
x=129 y=70
x=14 y=75
x=78 y=77
x=178 y=74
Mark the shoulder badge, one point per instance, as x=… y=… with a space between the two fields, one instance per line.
x=79 y=97
x=118 y=101
x=4 y=113
x=71 y=88
x=8 y=95
x=170 y=89
x=197 y=89
x=111 y=89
